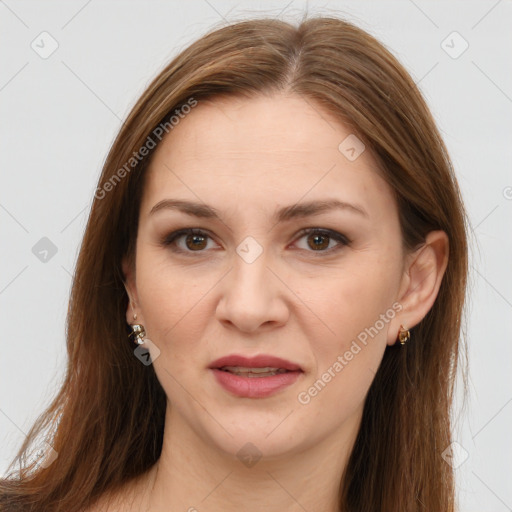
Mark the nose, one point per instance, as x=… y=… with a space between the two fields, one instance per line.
x=252 y=297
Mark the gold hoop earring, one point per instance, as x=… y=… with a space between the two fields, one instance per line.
x=404 y=335
x=138 y=333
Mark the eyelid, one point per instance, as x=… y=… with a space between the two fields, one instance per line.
x=168 y=240
x=342 y=239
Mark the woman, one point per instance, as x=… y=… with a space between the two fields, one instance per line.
x=269 y=291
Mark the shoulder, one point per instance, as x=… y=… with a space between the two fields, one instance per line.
x=100 y=505
x=109 y=501
x=125 y=499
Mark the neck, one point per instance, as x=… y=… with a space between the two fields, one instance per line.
x=193 y=475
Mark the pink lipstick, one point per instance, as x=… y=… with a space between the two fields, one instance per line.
x=254 y=377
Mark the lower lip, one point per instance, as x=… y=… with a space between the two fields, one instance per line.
x=255 y=387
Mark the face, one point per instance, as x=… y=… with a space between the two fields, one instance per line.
x=293 y=251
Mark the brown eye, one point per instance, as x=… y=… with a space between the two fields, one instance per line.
x=318 y=241
x=321 y=240
x=188 y=241
x=194 y=242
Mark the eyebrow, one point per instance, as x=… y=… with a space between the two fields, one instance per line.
x=286 y=213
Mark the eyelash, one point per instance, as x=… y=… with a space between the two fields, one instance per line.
x=169 y=240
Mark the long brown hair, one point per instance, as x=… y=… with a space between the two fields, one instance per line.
x=106 y=423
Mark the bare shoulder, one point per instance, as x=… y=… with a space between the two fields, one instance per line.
x=126 y=499
x=105 y=503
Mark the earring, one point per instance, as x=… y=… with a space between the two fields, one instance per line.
x=138 y=333
x=133 y=311
x=404 y=335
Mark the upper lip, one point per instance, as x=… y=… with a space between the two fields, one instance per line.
x=259 y=361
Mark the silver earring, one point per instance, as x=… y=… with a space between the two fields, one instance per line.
x=138 y=333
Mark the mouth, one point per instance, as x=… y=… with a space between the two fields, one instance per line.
x=256 y=365
x=242 y=371
x=255 y=377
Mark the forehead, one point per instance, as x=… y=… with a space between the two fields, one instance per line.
x=263 y=150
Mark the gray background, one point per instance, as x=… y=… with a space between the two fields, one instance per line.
x=59 y=116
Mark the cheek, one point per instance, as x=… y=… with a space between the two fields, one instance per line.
x=353 y=299
x=346 y=361
x=335 y=306
x=171 y=299
x=357 y=306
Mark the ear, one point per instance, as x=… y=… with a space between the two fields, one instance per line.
x=128 y=268
x=424 y=271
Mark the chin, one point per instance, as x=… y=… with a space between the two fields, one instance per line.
x=254 y=447
x=251 y=436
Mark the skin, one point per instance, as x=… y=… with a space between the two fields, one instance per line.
x=247 y=158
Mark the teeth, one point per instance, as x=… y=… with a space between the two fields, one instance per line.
x=242 y=369
x=253 y=372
